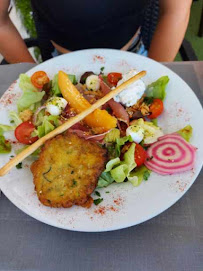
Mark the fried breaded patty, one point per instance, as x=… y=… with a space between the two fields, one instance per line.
x=67 y=171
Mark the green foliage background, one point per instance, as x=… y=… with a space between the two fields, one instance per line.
x=23 y=7
x=25 y=10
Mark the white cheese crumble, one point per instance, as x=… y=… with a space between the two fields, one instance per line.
x=132 y=93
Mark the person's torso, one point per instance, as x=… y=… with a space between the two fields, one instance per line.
x=82 y=24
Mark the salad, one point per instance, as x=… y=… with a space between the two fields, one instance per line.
x=127 y=126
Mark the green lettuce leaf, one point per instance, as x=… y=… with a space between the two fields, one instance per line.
x=49 y=124
x=45 y=128
x=138 y=175
x=35 y=154
x=25 y=83
x=54 y=119
x=15 y=117
x=6 y=128
x=133 y=179
x=35 y=106
x=40 y=117
x=111 y=148
x=120 y=172
x=5 y=146
x=112 y=135
x=155 y=122
x=157 y=88
x=55 y=87
x=120 y=142
x=129 y=157
x=105 y=179
x=112 y=163
x=28 y=99
x=73 y=79
x=186 y=132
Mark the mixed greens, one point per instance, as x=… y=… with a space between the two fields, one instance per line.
x=127 y=126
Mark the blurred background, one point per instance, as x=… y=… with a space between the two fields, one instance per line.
x=21 y=15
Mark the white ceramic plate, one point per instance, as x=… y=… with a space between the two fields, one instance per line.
x=124 y=205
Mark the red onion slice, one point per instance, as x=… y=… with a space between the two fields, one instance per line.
x=36 y=113
x=97 y=137
x=170 y=154
x=83 y=132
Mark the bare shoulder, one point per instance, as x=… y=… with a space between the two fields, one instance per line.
x=175 y=5
x=4 y=5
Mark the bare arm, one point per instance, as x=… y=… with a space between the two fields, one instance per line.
x=170 y=31
x=12 y=46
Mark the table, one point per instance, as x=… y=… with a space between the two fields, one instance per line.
x=173 y=241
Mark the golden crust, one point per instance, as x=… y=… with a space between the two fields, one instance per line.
x=67 y=171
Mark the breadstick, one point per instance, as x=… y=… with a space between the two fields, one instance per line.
x=25 y=153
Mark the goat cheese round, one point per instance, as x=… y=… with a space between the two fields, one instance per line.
x=136 y=132
x=55 y=105
x=93 y=82
x=132 y=93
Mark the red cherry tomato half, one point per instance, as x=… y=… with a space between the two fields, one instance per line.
x=156 y=108
x=39 y=79
x=23 y=133
x=140 y=153
x=114 y=77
